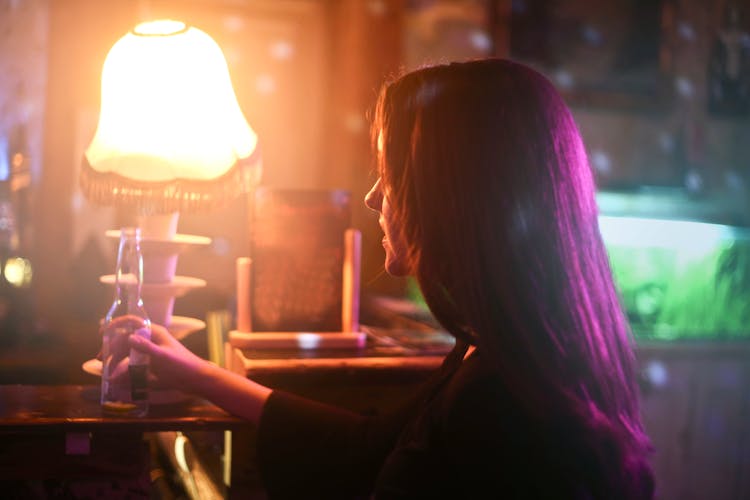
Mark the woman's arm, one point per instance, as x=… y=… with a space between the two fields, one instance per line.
x=175 y=366
x=305 y=448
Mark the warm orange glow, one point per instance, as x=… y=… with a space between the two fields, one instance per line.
x=168 y=108
x=17 y=160
x=18 y=272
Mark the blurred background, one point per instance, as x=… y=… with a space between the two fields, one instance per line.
x=660 y=89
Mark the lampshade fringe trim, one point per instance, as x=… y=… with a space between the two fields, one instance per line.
x=183 y=195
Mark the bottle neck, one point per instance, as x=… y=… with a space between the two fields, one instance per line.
x=129 y=274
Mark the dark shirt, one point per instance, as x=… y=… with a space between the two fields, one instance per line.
x=460 y=437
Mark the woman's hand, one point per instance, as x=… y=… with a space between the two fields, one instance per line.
x=172 y=364
x=117 y=333
x=175 y=367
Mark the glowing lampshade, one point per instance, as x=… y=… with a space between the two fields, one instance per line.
x=171 y=136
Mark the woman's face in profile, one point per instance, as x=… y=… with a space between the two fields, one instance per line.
x=396 y=261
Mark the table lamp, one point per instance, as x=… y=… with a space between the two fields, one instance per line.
x=171 y=138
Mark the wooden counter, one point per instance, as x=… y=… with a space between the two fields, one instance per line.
x=58 y=437
x=49 y=409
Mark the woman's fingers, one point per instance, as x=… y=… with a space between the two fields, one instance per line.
x=171 y=362
x=118 y=370
x=162 y=344
x=142 y=344
x=160 y=335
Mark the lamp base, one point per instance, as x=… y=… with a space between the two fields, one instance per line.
x=158 y=226
x=158 y=298
x=160 y=255
x=161 y=247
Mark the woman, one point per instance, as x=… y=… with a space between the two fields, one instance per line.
x=486 y=197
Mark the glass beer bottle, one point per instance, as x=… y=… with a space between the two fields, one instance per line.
x=124 y=388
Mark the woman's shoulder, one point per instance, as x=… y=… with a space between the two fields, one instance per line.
x=486 y=436
x=475 y=382
x=475 y=401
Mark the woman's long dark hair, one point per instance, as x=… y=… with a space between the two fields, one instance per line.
x=485 y=168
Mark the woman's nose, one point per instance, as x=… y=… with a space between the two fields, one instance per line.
x=374 y=198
